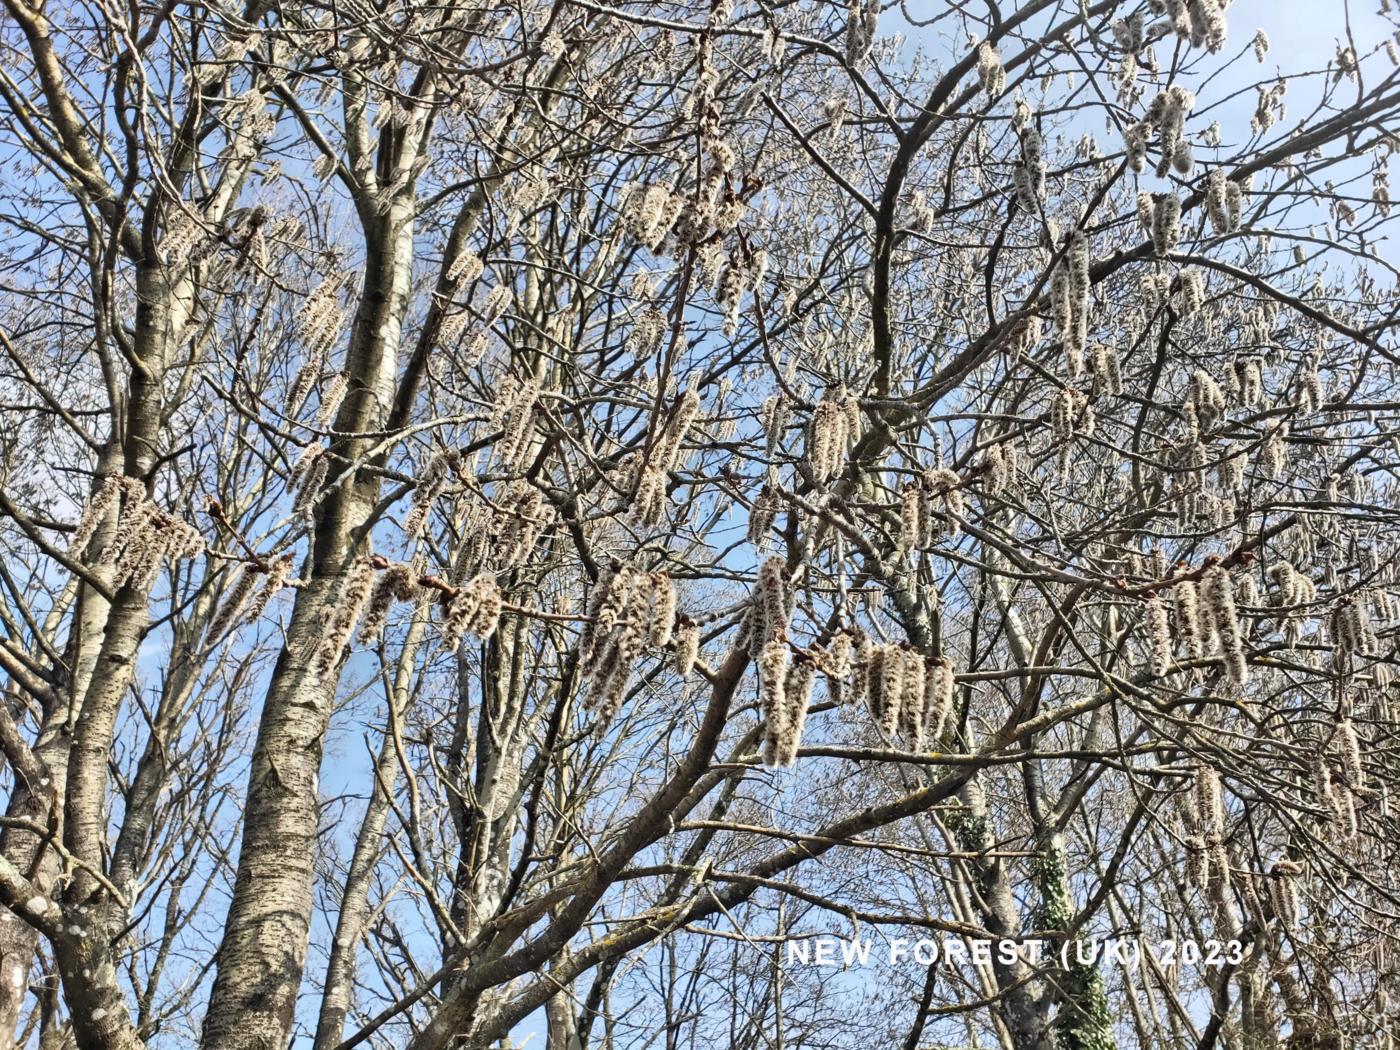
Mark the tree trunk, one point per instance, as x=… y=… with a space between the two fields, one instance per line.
x=263 y=953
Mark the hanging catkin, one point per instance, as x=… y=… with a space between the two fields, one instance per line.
x=797 y=697
x=396 y=583
x=1158 y=635
x=102 y=501
x=354 y=593
x=331 y=397
x=1166 y=223
x=939 y=686
x=1220 y=593
x=277 y=576
x=687 y=644
x=827 y=437
x=475 y=609
x=772 y=688
x=1188 y=621
x=1350 y=745
x=426 y=492
x=233 y=604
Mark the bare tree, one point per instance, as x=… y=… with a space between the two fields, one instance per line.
x=518 y=514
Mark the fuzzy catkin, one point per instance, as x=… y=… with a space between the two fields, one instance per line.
x=911 y=705
x=762 y=516
x=1219 y=590
x=1350 y=745
x=102 y=500
x=939 y=687
x=277 y=576
x=662 y=610
x=687 y=645
x=354 y=593
x=772 y=687
x=1158 y=635
x=475 y=609
x=331 y=398
x=426 y=492
x=1188 y=620
x=797 y=697
x=233 y=604
x=1166 y=223
x=394 y=584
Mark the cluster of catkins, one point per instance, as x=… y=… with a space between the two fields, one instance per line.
x=319 y=324
x=773 y=417
x=763 y=513
x=440 y=468
x=1028 y=177
x=1339 y=778
x=664 y=218
x=785 y=689
x=343 y=613
x=648 y=212
x=1207 y=621
x=908 y=694
x=500 y=535
x=834 y=425
x=1191 y=292
x=1205 y=403
x=930 y=508
x=630 y=608
x=1001 y=466
x=474 y=609
x=1070 y=414
x=991 y=74
x=1202 y=22
x=740 y=274
x=862 y=20
x=1069 y=302
x=397 y=583
x=145 y=536
x=1224 y=202
x=513 y=415
x=1207 y=859
x=260 y=581
x=1168 y=113
x=1247 y=380
x=1162 y=212
x=1351 y=629
x=308 y=477
x=1310 y=396
x=649 y=498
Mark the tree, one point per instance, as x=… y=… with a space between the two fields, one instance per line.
x=516 y=514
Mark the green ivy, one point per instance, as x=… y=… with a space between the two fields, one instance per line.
x=1083 y=1021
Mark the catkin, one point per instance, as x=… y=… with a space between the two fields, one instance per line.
x=1158 y=635
x=395 y=583
x=96 y=508
x=687 y=645
x=331 y=398
x=277 y=576
x=354 y=593
x=475 y=609
x=1350 y=745
x=772 y=686
x=1220 y=592
x=662 y=609
x=911 y=704
x=1166 y=223
x=233 y=604
x=1188 y=621
x=938 y=699
x=797 y=697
